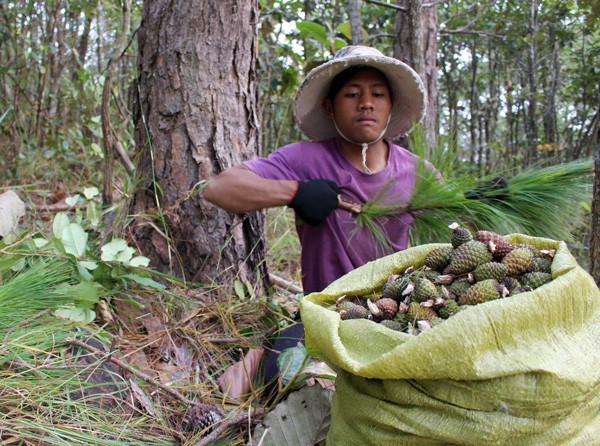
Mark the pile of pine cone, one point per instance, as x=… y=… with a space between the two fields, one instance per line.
x=473 y=270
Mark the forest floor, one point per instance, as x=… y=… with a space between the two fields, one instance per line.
x=177 y=356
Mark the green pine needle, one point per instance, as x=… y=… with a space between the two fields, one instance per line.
x=371 y=216
x=34 y=289
x=549 y=201
x=540 y=201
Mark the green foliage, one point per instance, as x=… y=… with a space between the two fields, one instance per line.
x=549 y=201
x=436 y=203
x=314 y=403
x=291 y=362
x=489 y=71
x=33 y=286
x=296 y=367
x=64 y=274
x=313 y=30
x=52 y=77
x=540 y=201
x=593 y=7
x=62 y=404
x=544 y=201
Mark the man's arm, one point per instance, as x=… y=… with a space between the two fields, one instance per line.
x=240 y=190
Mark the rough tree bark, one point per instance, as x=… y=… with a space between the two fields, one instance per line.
x=196 y=117
x=416 y=44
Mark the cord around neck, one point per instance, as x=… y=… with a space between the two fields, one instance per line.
x=364 y=145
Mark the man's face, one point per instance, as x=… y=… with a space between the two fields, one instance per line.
x=362 y=107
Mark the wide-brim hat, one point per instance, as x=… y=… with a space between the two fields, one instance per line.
x=406 y=88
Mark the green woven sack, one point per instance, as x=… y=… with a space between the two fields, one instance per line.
x=524 y=370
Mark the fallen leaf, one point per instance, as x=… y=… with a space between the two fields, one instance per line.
x=12 y=209
x=236 y=380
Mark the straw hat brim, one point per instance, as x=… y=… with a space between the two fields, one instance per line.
x=406 y=88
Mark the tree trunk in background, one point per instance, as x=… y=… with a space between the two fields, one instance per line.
x=595 y=229
x=474 y=106
x=491 y=107
x=552 y=80
x=416 y=44
x=355 y=22
x=511 y=121
x=196 y=117
x=452 y=83
x=531 y=128
x=308 y=44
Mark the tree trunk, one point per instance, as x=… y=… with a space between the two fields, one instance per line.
x=429 y=74
x=531 y=128
x=52 y=11
x=474 y=106
x=416 y=44
x=108 y=135
x=552 y=81
x=452 y=83
x=355 y=21
x=595 y=228
x=491 y=109
x=196 y=117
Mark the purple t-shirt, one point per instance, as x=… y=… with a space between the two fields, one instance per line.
x=338 y=245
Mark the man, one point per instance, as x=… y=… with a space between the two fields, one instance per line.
x=351 y=108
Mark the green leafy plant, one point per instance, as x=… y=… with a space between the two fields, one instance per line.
x=84 y=277
x=279 y=428
x=321 y=34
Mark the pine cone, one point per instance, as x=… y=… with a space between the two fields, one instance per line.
x=460 y=235
x=203 y=417
x=518 y=261
x=388 y=307
x=497 y=243
x=466 y=258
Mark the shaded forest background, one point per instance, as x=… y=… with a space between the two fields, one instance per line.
x=518 y=83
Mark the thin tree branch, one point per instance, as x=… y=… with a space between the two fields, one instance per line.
x=57 y=207
x=226 y=424
x=387 y=5
x=109 y=356
x=466 y=31
x=107 y=131
x=118 y=147
x=402 y=8
x=285 y=284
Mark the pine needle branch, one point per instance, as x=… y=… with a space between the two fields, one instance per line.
x=542 y=201
x=33 y=289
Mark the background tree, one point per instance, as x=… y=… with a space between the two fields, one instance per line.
x=592 y=20
x=196 y=115
x=355 y=18
x=595 y=237
x=416 y=44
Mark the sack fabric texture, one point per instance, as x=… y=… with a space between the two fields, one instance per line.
x=522 y=370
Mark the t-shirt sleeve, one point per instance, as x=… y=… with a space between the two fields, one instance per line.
x=298 y=161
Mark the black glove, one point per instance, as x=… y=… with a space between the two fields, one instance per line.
x=494 y=189
x=315 y=200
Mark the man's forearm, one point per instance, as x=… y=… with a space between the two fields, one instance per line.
x=240 y=190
